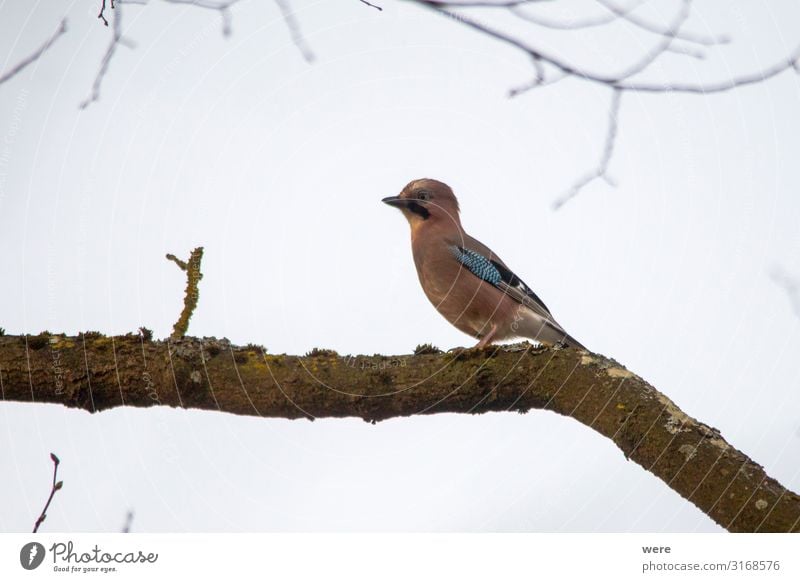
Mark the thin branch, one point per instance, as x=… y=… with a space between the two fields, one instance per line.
x=483 y=3
x=56 y=486
x=102 y=14
x=701 y=39
x=576 y=24
x=790 y=285
x=661 y=47
x=693 y=52
x=601 y=171
x=62 y=28
x=116 y=40
x=371 y=5
x=294 y=30
x=612 y=81
x=193 y=277
x=618 y=83
x=222 y=6
x=126 y=528
x=720 y=86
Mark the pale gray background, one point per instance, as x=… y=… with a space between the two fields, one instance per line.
x=277 y=167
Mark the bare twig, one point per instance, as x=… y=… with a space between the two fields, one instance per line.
x=57 y=485
x=483 y=3
x=576 y=24
x=661 y=47
x=613 y=81
x=102 y=14
x=62 y=28
x=376 y=7
x=221 y=6
x=193 y=277
x=294 y=30
x=791 y=286
x=618 y=83
x=601 y=171
x=694 y=37
x=116 y=40
x=720 y=86
x=126 y=528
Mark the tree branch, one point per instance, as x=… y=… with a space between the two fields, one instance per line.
x=790 y=285
x=294 y=30
x=690 y=457
x=618 y=83
x=647 y=26
x=601 y=171
x=56 y=486
x=221 y=6
x=116 y=40
x=62 y=28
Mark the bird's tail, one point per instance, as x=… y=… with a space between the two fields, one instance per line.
x=556 y=334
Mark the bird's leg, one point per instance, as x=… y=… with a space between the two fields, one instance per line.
x=487 y=339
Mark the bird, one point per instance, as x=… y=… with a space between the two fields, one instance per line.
x=464 y=279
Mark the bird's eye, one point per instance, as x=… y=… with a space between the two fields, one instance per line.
x=423 y=195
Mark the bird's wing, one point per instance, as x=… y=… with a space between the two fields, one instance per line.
x=482 y=263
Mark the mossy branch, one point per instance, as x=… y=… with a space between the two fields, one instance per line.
x=96 y=373
x=193 y=277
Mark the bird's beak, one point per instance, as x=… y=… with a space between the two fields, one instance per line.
x=395 y=201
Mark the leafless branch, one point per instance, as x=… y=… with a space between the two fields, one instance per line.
x=719 y=86
x=576 y=24
x=661 y=47
x=294 y=30
x=629 y=16
x=116 y=40
x=601 y=171
x=620 y=82
x=102 y=14
x=62 y=28
x=791 y=286
x=371 y=5
x=222 y=6
x=57 y=485
x=126 y=528
x=483 y=3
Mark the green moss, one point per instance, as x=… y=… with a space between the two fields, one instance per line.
x=321 y=353
x=423 y=349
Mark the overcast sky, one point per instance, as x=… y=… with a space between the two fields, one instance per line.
x=277 y=167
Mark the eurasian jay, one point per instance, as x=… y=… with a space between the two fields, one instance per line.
x=466 y=282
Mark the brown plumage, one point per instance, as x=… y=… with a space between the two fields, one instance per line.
x=464 y=280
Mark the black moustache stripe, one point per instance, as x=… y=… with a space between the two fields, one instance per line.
x=419 y=210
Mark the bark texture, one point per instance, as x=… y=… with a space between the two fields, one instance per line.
x=95 y=373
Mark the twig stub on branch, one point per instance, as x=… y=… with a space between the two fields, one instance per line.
x=193 y=276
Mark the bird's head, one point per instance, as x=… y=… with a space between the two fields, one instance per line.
x=427 y=202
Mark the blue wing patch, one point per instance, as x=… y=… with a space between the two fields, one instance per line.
x=478 y=265
x=495 y=273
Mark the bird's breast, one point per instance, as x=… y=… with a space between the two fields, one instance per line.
x=469 y=303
